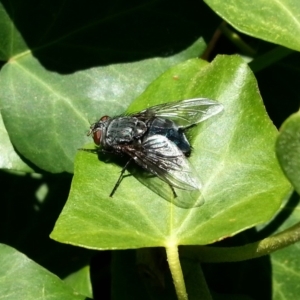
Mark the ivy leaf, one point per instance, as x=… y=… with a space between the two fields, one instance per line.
x=277 y=22
x=288 y=149
x=9 y=159
x=47 y=114
x=21 y=278
x=80 y=281
x=233 y=154
x=63 y=70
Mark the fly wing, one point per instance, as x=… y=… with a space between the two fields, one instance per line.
x=184 y=113
x=163 y=158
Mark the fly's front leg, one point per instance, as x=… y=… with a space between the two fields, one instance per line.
x=88 y=150
x=98 y=150
x=120 y=177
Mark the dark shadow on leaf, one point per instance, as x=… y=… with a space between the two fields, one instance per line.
x=252 y=278
x=100 y=271
x=67 y=36
x=248 y=277
x=28 y=219
x=278 y=92
x=280 y=218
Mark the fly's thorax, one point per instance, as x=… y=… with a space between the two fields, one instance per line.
x=124 y=130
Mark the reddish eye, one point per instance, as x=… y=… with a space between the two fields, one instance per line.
x=104 y=118
x=97 y=137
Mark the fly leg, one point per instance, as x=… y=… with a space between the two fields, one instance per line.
x=88 y=150
x=173 y=191
x=120 y=178
x=187 y=127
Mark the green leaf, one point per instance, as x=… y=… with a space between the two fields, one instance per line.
x=22 y=278
x=288 y=149
x=80 y=281
x=285 y=270
x=277 y=22
x=12 y=42
x=47 y=114
x=233 y=155
x=57 y=79
x=9 y=159
x=285 y=263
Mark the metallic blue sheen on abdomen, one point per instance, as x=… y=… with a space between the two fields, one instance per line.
x=170 y=130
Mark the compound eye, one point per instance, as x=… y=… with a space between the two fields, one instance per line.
x=104 y=118
x=97 y=137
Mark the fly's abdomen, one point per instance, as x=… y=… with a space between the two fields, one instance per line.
x=171 y=131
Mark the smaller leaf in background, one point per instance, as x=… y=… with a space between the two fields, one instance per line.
x=285 y=262
x=9 y=159
x=275 y=21
x=12 y=41
x=21 y=278
x=80 y=281
x=288 y=149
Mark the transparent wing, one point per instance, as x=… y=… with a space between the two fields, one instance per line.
x=185 y=112
x=161 y=157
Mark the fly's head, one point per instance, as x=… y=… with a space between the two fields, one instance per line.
x=98 y=130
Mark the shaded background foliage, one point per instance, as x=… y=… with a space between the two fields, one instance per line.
x=70 y=37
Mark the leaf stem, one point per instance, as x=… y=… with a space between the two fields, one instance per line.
x=237 y=40
x=176 y=271
x=267 y=59
x=250 y=251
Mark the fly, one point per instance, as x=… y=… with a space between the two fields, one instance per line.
x=155 y=139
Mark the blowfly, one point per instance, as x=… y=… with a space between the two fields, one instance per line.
x=155 y=139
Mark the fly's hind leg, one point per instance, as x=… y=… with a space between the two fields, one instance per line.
x=173 y=191
x=187 y=127
x=120 y=178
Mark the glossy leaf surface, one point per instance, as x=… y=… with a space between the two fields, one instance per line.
x=233 y=155
x=277 y=22
x=48 y=114
x=61 y=69
x=21 y=278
